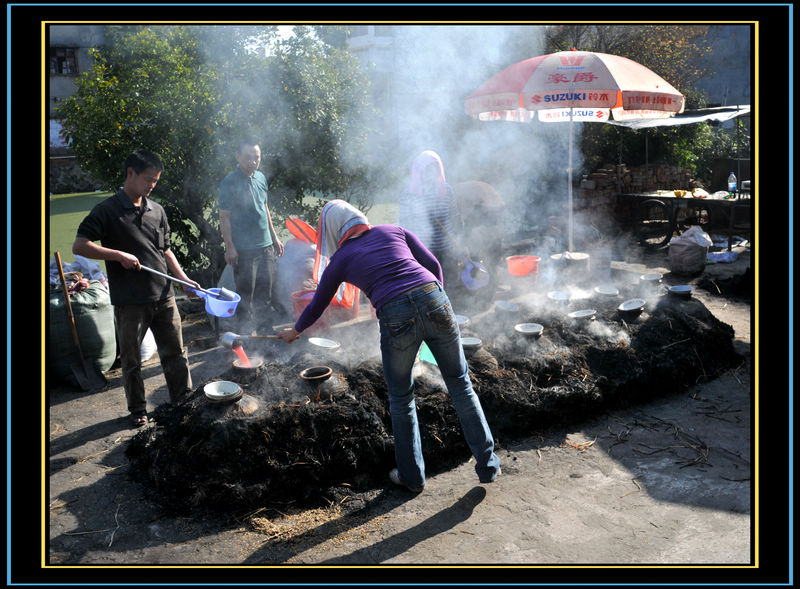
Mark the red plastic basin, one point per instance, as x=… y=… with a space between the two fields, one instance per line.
x=522 y=265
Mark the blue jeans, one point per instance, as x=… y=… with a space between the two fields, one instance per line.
x=425 y=313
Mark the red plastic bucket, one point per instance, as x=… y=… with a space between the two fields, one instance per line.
x=522 y=265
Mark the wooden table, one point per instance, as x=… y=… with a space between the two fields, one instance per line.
x=657 y=216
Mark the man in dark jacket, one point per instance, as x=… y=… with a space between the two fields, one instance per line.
x=133 y=230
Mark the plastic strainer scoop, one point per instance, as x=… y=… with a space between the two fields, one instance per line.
x=220 y=302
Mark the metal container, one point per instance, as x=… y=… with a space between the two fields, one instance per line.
x=241 y=369
x=230 y=340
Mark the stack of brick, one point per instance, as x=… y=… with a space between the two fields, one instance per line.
x=612 y=179
x=596 y=194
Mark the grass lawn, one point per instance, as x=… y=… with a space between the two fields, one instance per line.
x=66 y=211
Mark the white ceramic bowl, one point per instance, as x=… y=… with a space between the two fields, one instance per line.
x=558 y=296
x=325 y=343
x=632 y=305
x=529 y=329
x=222 y=391
x=507 y=306
x=681 y=290
x=608 y=291
x=583 y=314
x=654 y=277
x=470 y=343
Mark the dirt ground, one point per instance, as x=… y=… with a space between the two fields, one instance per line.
x=665 y=483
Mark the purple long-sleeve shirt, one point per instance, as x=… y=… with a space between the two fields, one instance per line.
x=384 y=262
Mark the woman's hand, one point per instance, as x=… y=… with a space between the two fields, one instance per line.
x=288 y=334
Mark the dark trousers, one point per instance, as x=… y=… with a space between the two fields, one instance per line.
x=254 y=275
x=164 y=320
x=449 y=260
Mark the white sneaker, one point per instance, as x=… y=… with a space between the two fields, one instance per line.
x=394 y=476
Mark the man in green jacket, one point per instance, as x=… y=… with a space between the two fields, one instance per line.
x=251 y=244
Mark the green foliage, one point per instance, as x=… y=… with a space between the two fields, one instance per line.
x=317 y=142
x=189 y=93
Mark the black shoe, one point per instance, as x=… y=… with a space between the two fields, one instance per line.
x=394 y=476
x=139 y=419
x=499 y=472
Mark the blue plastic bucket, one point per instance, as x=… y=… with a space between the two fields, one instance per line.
x=220 y=307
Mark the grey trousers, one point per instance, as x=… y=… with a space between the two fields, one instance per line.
x=164 y=320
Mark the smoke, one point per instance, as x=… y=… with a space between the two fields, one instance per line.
x=432 y=69
x=419 y=88
x=610 y=334
x=420 y=77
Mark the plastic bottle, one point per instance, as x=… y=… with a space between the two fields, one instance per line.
x=731 y=186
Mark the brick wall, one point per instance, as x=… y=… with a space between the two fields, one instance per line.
x=595 y=199
x=656 y=177
x=65 y=176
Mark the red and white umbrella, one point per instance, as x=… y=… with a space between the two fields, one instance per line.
x=572 y=86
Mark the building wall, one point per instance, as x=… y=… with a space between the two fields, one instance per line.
x=730 y=63
x=80 y=38
x=64 y=174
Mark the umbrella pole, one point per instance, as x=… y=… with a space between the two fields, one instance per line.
x=569 y=182
x=646 y=160
x=738 y=157
x=619 y=167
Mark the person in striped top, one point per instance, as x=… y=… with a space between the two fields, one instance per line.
x=429 y=210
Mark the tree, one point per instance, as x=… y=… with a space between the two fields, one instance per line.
x=674 y=52
x=188 y=93
x=316 y=122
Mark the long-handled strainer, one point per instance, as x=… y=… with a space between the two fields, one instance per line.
x=223 y=294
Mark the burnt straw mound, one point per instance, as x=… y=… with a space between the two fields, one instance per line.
x=310 y=442
x=739 y=287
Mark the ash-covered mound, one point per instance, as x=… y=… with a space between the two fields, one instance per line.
x=736 y=287
x=289 y=440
